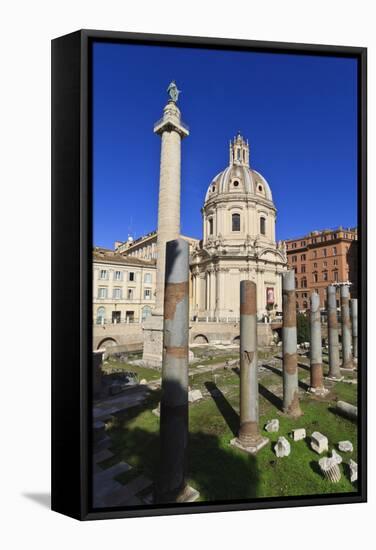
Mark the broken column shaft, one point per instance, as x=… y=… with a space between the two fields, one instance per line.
x=249 y=438
x=289 y=345
x=334 y=368
x=354 y=326
x=315 y=347
x=171 y=485
x=347 y=361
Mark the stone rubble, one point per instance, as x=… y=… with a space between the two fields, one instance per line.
x=330 y=469
x=194 y=395
x=272 y=425
x=345 y=446
x=282 y=447
x=319 y=442
x=353 y=471
x=298 y=434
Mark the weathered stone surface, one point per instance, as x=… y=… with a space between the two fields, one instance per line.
x=353 y=471
x=272 y=425
x=330 y=469
x=336 y=457
x=319 y=442
x=345 y=446
x=194 y=395
x=298 y=434
x=347 y=409
x=282 y=448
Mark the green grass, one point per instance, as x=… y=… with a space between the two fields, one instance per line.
x=142 y=372
x=221 y=472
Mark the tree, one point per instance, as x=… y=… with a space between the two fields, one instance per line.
x=302 y=328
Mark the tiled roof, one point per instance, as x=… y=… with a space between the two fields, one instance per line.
x=104 y=255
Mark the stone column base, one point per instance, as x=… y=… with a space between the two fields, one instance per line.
x=153 y=341
x=253 y=448
x=318 y=391
x=334 y=379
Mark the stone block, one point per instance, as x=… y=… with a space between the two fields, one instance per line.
x=194 y=395
x=254 y=448
x=345 y=446
x=298 y=434
x=272 y=425
x=319 y=442
x=353 y=471
x=282 y=448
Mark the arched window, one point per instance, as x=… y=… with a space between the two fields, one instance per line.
x=262 y=225
x=236 y=222
x=210 y=226
x=101 y=313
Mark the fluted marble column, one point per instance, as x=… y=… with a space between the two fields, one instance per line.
x=347 y=360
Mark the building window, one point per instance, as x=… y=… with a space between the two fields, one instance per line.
x=325 y=264
x=315 y=278
x=146 y=312
x=236 y=183
x=262 y=226
x=102 y=292
x=130 y=294
x=303 y=268
x=314 y=254
x=293 y=259
x=325 y=275
x=296 y=283
x=210 y=226
x=131 y=276
x=334 y=251
x=147 y=278
x=324 y=252
x=304 y=282
x=335 y=276
x=315 y=264
x=335 y=262
x=305 y=305
x=117 y=294
x=213 y=188
x=236 y=222
x=101 y=314
x=147 y=294
x=303 y=257
x=118 y=276
x=103 y=274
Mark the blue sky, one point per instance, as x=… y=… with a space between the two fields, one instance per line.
x=299 y=114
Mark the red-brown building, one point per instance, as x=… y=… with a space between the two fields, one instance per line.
x=322 y=258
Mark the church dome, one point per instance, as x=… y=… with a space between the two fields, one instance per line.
x=238 y=177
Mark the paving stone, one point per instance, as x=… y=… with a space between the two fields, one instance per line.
x=102 y=455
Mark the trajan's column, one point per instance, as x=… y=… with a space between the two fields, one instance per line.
x=172 y=130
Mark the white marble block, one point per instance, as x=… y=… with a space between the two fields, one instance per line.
x=319 y=442
x=282 y=448
x=272 y=425
x=298 y=434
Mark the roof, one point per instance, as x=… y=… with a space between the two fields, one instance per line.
x=250 y=182
x=104 y=255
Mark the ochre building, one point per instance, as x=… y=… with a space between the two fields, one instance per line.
x=322 y=258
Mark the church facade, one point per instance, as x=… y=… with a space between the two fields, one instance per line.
x=238 y=242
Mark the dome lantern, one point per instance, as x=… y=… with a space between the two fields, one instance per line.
x=239 y=151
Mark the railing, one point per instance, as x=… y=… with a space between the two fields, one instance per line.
x=102 y=321
x=173 y=120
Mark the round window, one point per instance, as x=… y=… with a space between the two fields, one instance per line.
x=236 y=183
x=260 y=188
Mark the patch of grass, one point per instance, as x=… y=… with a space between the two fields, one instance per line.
x=142 y=372
x=220 y=471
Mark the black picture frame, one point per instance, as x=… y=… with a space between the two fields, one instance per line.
x=72 y=272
